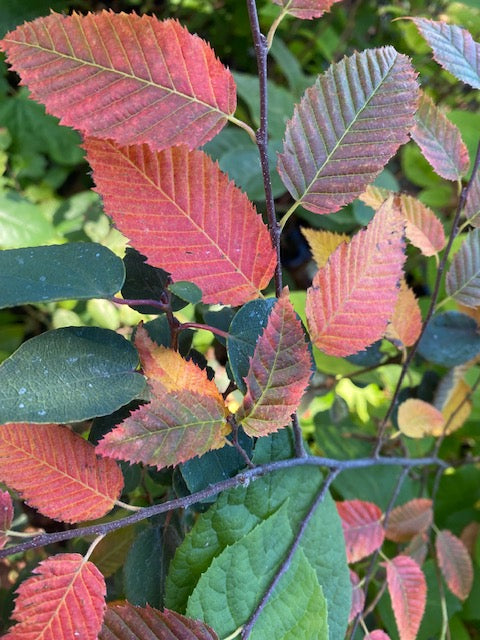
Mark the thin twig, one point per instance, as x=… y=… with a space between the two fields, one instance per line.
x=204 y=327
x=241 y=479
x=285 y=565
x=161 y=306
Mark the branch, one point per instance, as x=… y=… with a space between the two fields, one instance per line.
x=242 y=479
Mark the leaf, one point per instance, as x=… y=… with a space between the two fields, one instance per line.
x=462 y=282
x=455 y=563
x=126 y=622
x=240 y=511
x=362 y=528
x=75 y=484
x=166 y=85
x=306 y=9
x=453 y=399
x=450 y=339
x=358 y=597
x=6 y=516
x=417 y=548
x=45 y=603
x=408 y=592
x=77 y=270
x=453 y=48
x=90 y=372
x=354 y=295
x=409 y=519
x=472 y=204
x=22 y=223
x=406 y=323
x=245 y=329
x=199 y=227
x=417 y=419
x=440 y=141
x=369 y=97
x=186 y=416
x=323 y=243
x=280 y=370
x=423 y=228
x=378 y=634
x=374 y=196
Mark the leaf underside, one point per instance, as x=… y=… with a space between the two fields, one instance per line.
x=121 y=76
x=306 y=9
x=184 y=215
x=462 y=282
x=346 y=127
x=63 y=600
x=75 y=485
x=362 y=528
x=453 y=48
x=408 y=592
x=440 y=141
x=279 y=373
x=455 y=563
x=354 y=295
x=410 y=519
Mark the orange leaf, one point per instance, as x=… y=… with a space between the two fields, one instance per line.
x=409 y=519
x=57 y=472
x=6 y=516
x=172 y=428
x=174 y=372
x=354 y=295
x=121 y=76
x=469 y=536
x=406 y=322
x=126 y=622
x=417 y=419
x=62 y=601
x=455 y=563
x=408 y=592
x=362 y=528
x=423 y=229
x=452 y=398
x=184 y=215
x=279 y=372
x=323 y=243
x=374 y=196
x=358 y=597
x=306 y=9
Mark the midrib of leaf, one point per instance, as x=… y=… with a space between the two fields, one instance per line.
x=67 y=591
x=185 y=214
x=346 y=132
x=122 y=74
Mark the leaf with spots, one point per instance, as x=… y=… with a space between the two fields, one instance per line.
x=64 y=599
x=198 y=225
x=124 y=77
x=57 y=472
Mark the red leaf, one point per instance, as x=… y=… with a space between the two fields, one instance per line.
x=279 y=373
x=173 y=428
x=121 y=76
x=406 y=322
x=126 y=622
x=440 y=141
x=354 y=295
x=453 y=48
x=362 y=528
x=6 y=516
x=63 y=601
x=377 y=635
x=184 y=214
x=346 y=127
x=409 y=519
x=358 y=597
x=408 y=592
x=306 y=9
x=455 y=563
x=57 y=472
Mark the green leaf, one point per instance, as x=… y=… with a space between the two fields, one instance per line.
x=68 y=375
x=159 y=332
x=462 y=282
x=238 y=512
x=59 y=272
x=186 y=291
x=147 y=564
x=451 y=338
x=246 y=327
x=22 y=223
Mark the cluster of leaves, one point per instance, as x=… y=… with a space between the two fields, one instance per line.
x=151 y=102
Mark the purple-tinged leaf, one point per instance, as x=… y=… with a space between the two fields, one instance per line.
x=472 y=205
x=346 y=128
x=463 y=278
x=453 y=48
x=440 y=141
